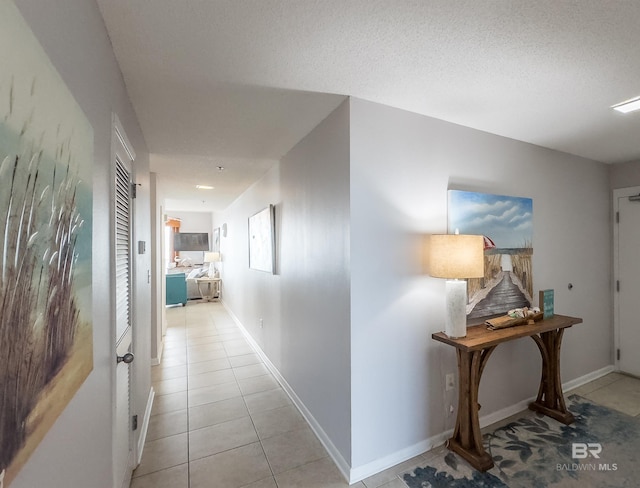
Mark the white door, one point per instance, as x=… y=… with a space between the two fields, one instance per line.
x=124 y=453
x=628 y=281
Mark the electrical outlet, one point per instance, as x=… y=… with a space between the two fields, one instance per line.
x=261 y=323
x=450 y=381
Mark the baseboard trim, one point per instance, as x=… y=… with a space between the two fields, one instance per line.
x=502 y=414
x=366 y=470
x=145 y=426
x=594 y=375
x=331 y=449
x=361 y=472
x=158 y=360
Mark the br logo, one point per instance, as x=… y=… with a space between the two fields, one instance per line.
x=580 y=450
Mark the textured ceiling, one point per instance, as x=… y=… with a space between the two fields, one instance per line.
x=179 y=175
x=247 y=79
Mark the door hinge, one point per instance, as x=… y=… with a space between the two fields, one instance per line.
x=617 y=285
x=617 y=217
x=134 y=422
x=618 y=354
x=134 y=190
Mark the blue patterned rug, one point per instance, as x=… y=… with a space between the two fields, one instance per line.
x=535 y=451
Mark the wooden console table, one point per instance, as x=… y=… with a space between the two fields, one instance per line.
x=473 y=352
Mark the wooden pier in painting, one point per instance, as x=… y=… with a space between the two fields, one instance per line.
x=506 y=295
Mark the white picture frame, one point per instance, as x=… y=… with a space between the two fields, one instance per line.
x=262 y=240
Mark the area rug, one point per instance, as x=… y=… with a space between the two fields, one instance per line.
x=600 y=449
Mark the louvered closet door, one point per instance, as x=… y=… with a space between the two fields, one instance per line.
x=124 y=453
x=123 y=251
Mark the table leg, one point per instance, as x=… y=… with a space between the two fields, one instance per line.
x=550 y=400
x=467 y=439
x=210 y=292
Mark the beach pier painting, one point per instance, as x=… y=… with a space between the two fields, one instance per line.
x=506 y=222
x=46 y=201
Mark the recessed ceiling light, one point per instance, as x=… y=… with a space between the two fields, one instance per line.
x=628 y=106
x=204 y=187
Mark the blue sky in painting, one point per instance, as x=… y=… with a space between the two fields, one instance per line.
x=508 y=221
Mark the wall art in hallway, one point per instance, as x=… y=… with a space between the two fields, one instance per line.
x=46 y=158
x=262 y=240
x=506 y=223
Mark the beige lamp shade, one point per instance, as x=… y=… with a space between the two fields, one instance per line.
x=455 y=256
x=211 y=257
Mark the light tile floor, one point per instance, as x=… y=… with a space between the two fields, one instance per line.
x=221 y=420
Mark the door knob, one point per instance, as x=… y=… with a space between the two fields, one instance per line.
x=127 y=358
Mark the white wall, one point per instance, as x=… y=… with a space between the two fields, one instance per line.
x=401 y=167
x=77 y=451
x=305 y=305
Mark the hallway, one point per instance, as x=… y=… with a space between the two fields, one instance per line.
x=220 y=419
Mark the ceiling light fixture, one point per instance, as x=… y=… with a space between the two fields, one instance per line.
x=628 y=106
x=204 y=187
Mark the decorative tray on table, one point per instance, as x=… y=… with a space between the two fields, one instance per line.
x=518 y=316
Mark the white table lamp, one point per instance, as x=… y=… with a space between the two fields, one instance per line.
x=455 y=257
x=211 y=258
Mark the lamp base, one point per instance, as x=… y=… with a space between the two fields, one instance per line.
x=456 y=320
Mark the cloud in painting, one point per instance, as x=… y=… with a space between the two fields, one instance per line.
x=507 y=220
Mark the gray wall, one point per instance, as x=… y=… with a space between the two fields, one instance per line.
x=77 y=451
x=305 y=306
x=349 y=315
x=194 y=222
x=315 y=268
x=624 y=175
x=401 y=167
x=383 y=366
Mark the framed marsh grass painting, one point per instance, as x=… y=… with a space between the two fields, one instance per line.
x=46 y=158
x=506 y=223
